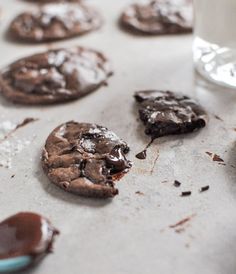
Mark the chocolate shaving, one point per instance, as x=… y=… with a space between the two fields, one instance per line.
x=204 y=188
x=186 y=193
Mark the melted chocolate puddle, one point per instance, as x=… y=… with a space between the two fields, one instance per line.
x=26 y=234
x=143 y=154
x=117 y=160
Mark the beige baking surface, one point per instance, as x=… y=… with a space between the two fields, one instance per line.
x=131 y=233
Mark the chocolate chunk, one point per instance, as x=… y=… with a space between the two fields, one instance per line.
x=204 y=188
x=159 y=17
x=186 y=193
x=54 y=76
x=25 y=234
x=166 y=113
x=54 y=22
x=177 y=183
x=85 y=159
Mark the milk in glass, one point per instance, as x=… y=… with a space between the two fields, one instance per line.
x=215 y=40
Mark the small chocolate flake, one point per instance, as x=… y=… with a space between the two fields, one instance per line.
x=177 y=183
x=215 y=157
x=218 y=118
x=12 y=176
x=186 y=193
x=209 y=153
x=204 y=188
x=139 y=193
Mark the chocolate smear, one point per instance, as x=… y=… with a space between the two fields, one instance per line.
x=143 y=154
x=180 y=226
x=25 y=122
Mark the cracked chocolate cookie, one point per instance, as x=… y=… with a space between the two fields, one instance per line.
x=54 y=22
x=54 y=76
x=50 y=1
x=159 y=17
x=85 y=159
x=167 y=113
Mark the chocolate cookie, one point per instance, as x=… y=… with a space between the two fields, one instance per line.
x=50 y=1
x=159 y=17
x=54 y=22
x=166 y=113
x=24 y=239
x=54 y=76
x=85 y=159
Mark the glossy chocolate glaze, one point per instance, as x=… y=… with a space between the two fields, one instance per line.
x=26 y=234
x=55 y=21
x=54 y=76
x=166 y=113
x=85 y=159
x=159 y=17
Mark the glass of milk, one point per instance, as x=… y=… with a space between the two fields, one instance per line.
x=215 y=40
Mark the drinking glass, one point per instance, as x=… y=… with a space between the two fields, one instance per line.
x=214 y=47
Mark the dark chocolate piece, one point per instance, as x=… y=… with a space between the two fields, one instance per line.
x=166 y=113
x=186 y=193
x=55 y=76
x=177 y=183
x=54 y=22
x=159 y=17
x=204 y=188
x=26 y=234
x=85 y=159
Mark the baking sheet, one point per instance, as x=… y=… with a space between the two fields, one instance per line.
x=130 y=234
